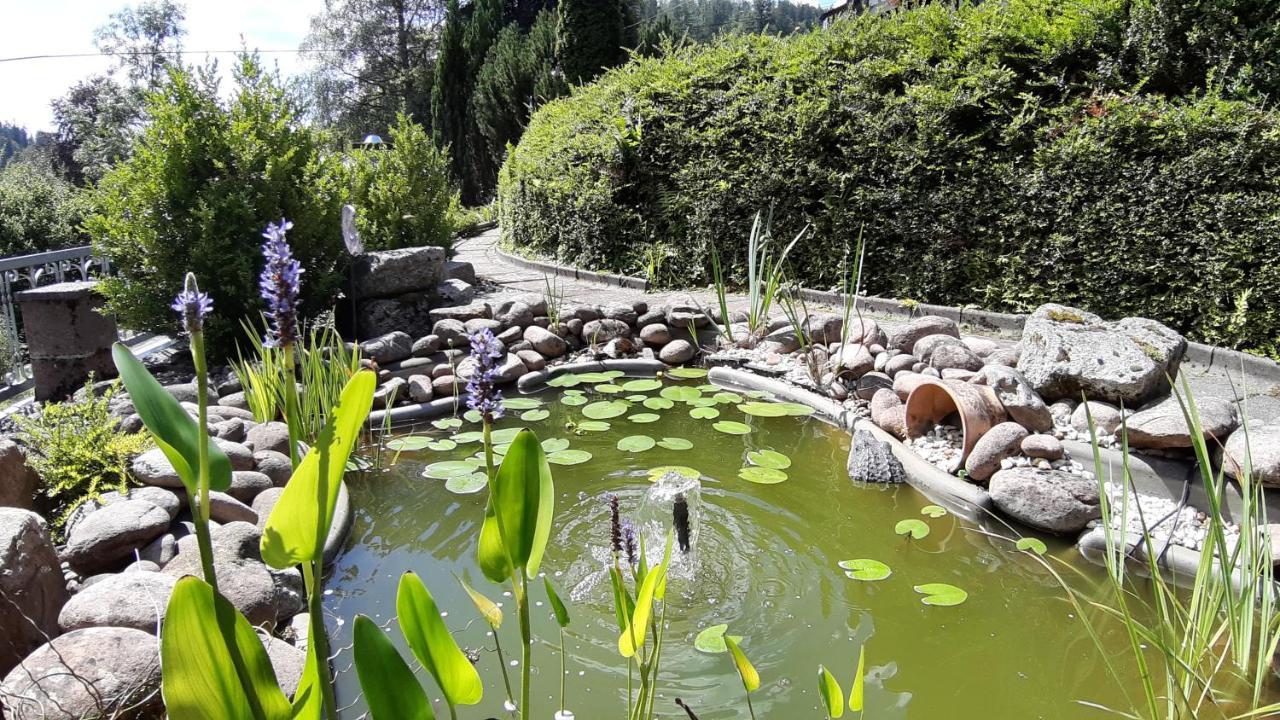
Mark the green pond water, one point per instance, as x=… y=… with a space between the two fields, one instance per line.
x=765 y=561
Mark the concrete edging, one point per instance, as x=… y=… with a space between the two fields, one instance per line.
x=623 y=281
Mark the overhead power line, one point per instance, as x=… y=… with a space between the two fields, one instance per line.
x=134 y=53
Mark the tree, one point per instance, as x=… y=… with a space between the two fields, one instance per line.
x=12 y=140
x=97 y=120
x=38 y=209
x=591 y=37
x=451 y=95
x=146 y=40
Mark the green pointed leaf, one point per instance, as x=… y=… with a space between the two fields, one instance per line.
x=487 y=608
x=687 y=373
x=299 y=523
x=644 y=418
x=605 y=409
x=557 y=605
x=308 y=699
x=933 y=511
x=913 y=527
x=769 y=459
x=633 y=636
x=675 y=443
x=174 y=431
x=523 y=492
x=433 y=644
x=832 y=695
x=1035 y=545
x=468 y=484
x=199 y=679
x=390 y=688
x=704 y=413
x=732 y=427
x=941 y=594
x=642 y=385
x=535 y=415
x=857 y=691
x=865 y=569
x=746 y=671
x=636 y=443
x=763 y=475
x=658 y=403
x=568 y=457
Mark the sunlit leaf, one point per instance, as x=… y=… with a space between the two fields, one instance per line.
x=633 y=636
x=762 y=475
x=564 y=380
x=472 y=416
x=442 y=445
x=468 y=484
x=1035 y=545
x=523 y=492
x=763 y=409
x=408 y=444
x=658 y=403
x=535 y=415
x=594 y=426
x=636 y=443
x=469 y=436
x=568 y=457
x=573 y=400
x=711 y=640
x=643 y=418
x=769 y=459
x=680 y=393
x=687 y=373
x=675 y=443
x=858 y=690
x=704 y=413
x=609 y=389
x=487 y=608
x=832 y=695
x=390 y=689
x=727 y=398
x=521 y=403
x=941 y=594
x=917 y=529
x=447 y=423
x=642 y=385
x=605 y=409
x=683 y=471
x=551 y=445
x=797 y=409
x=450 y=468
x=433 y=644
x=732 y=427
x=557 y=605
x=933 y=511
x=746 y=671
x=865 y=569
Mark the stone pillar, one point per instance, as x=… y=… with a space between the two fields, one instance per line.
x=68 y=337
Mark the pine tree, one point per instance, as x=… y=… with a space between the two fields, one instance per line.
x=591 y=37
x=450 y=94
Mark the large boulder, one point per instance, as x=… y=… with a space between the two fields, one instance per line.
x=31 y=585
x=545 y=342
x=1051 y=500
x=388 y=273
x=247 y=584
x=1257 y=449
x=110 y=534
x=391 y=347
x=1022 y=402
x=1161 y=424
x=1002 y=441
x=873 y=461
x=18 y=482
x=904 y=337
x=1065 y=352
x=99 y=672
x=677 y=351
x=133 y=599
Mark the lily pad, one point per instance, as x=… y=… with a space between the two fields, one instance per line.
x=941 y=594
x=605 y=409
x=865 y=569
x=551 y=445
x=933 y=511
x=658 y=403
x=1035 y=545
x=727 y=398
x=442 y=445
x=573 y=400
x=704 y=413
x=535 y=415
x=447 y=423
x=642 y=385
x=411 y=443
x=469 y=436
x=593 y=426
x=466 y=484
x=913 y=527
x=521 y=403
x=763 y=409
x=762 y=475
x=644 y=418
x=732 y=427
x=680 y=393
x=675 y=443
x=592 y=378
x=769 y=459
x=565 y=380
x=637 y=398
x=505 y=436
x=682 y=470
x=797 y=409
x=711 y=640
x=568 y=457
x=687 y=373
x=612 y=374
x=608 y=389
x=701 y=402
x=450 y=468
x=636 y=443
x=472 y=416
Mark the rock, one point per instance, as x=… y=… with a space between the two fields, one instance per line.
x=419 y=387
x=1106 y=417
x=855 y=360
x=509 y=368
x=138 y=566
x=925 y=346
x=18 y=482
x=108 y=535
x=956 y=374
x=475 y=325
x=889 y=414
x=532 y=359
x=153 y=468
x=545 y=342
x=983 y=347
x=455 y=292
x=1018 y=398
x=224 y=509
x=246 y=484
x=677 y=352
x=184 y=392
x=824 y=328
x=388 y=273
x=275 y=465
x=290 y=593
x=1062 y=410
x=955 y=356
x=899 y=363
x=161 y=550
x=1008 y=358
x=409 y=313
x=233 y=430
x=873 y=461
x=298 y=631
x=1043 y=446
x=458 y=270
x=683 y=317
x=1002 y=441
x=1161 y=424
x=865 y=332
x=389 y=393
x=247 y=584
x=1050 y=500
x=599 y=332
x=446 y=385
x=265 y=502
x=1066 y=352
x=452 y=333
x=287 y=661
x=273 y=436
x=905 y=336
x=623 y=313
x=427 y=345
x=388 y=348
x=167 y=500
x=134 y=600
x=461 y=313
x=516 y=314
x=781 y=341
x=618 y=348
x=31 y=585
x=89 y=673
x=1259 y=451
x=871 y=383
x=905 y=382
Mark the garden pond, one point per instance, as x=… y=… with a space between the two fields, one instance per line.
x=774 y=517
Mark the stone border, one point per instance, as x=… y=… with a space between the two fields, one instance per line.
x=550 y=268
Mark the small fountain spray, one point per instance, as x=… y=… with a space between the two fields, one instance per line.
x=672 y=503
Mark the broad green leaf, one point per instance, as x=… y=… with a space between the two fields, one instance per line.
x=941 y=594
x=605 y=409
x=865 y=569
x=308 y=699
x=732 y=427
x=933 y=511
x=704 y=413
x=433 y=644
x=521 y=403
x=174 y=431
x=412 y=443
x=727 y=398
x=769 y=459
x=612 y=374
x=565 y=380
x=469 y=436
x=487 y=608
x=644 y=418
x=746 y=671
x=711 y=640
x=568 y=457
x=592 y=378
x=763 y=475
x=858 y=689
x=551 y=445
x=687 y=373
x=593 y=426
x=1035 y=545
x=468 y=484
x=442 y=445
x=637 y=398
x=642 y=385
x=797 y=409
x=832 y=695
x=608 y=389
x=524 y=494
x=557 y=605
x=447 y=423
x=450 y=468
x=702 y=402
x=535 y=415
x=573 y=400
x=472 y=416
x=623 y=604
x=913 y=527
x=505 y=435
x=636 y=443
x=199 y=680
x=680 y=393
x=763 y=409
x=656 y=474
x=658 y=403
x=390 y=689
x=633 y=636
x=299 y=523
x=675 y=443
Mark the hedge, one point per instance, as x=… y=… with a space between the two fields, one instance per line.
x=999 y=155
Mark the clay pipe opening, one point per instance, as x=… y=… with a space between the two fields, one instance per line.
x=934 y=401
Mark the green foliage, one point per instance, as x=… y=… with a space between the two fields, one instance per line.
x=451 y=91
x=97 y=122
x=78 y=450
x=13 y=139
x=38 y=210
x=402 y=193
x=204 y=179
x=591 y=37
x=997 y=155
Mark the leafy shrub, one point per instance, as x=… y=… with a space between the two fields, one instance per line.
x=38 y=210
x=402 y=193
x=79 y=451
x=997 y=154
x=203 y=180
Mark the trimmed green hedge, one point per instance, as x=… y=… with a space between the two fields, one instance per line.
x=995 y=155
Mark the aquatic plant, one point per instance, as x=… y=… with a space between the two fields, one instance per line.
x=764 y=280
x=746 y=671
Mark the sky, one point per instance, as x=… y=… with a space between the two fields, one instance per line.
x=39 y=27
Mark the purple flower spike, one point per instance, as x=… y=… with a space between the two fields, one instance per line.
x=279 y=284
x=193 y=305
x=483 y=395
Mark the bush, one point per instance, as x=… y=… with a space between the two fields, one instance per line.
x=79 y=452
x=996 y=155
x=39 y=211
x=203 y=181
x=401 y=193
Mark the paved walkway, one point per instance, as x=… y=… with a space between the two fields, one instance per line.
x=1257 y=399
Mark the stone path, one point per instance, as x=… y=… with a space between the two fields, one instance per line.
x=1257 y=398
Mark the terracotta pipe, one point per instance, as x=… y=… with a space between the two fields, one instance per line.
x=933 y=400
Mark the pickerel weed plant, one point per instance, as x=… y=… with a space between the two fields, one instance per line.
x=765 y=272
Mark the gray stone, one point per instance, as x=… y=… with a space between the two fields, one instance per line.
x=298 y=631
x=31 y=585
x=1017 y=396
x=889 y=414
x=515 y=313
x=532 y=359
x=167 y=500
x=388 y=348
x=458 y=270
x=1062 y=411
x=865 y=331
x=509 y=368
x=1258 y=450
x=287 y=661
x=955 y=356
x=446 y=385
x=584 y=313
x=984 y=347
x=224 y=509
x=900 y=363
x=1106 y=417
x=871 y=383
x=420 y=388
x=513 y=334
x=925 y=346
x=873 y=461
x=184 y=392
x=655 y=334
x=1066 y=352
x=234 y=400
x=1002 y=441
x=133 y=599
x=598 y=332
x=623 y=313
x=247 y=584
x=246 y=484
x=388 y=273
x=161 y=550
x=545 y=342
x=265 y=503
x=233 y=430
x=138 y=566
x=855 y=360
x=461 y=312
x=1161 y=424
x=409 y=313
x=677 y=352
x=475 y=325
x=110 y=534
x=290 y=596
x=618 y=348
x=18 y=482
x=275 y=465
x=455 y=292
x=427 y=345
x=91 y=673
x=273 y=436
x=904 y=337
x=1051 y=500
x=452 y=333
x=390 y=393
x=1043 y=446
x=684 y=317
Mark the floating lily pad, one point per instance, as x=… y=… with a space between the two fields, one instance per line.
x=763 y=409
x=941 y=594
x=680 y=393
x=732 y=427
x=762 y=475
x=684 y=471
x=636 y=443
x=472 y=416
x=412 y=443
x=442 y=445
x=711 y=640
x=675 y=443
x=565 y=380
x=450 y=468
x=574 y=391
x=913 y=527
x=605 y=409
x=469 y=436
x=608 y=389
x=551 y=445
x=568 y=457
x=769 y=459
x=701 y=402
x=687 y=373
x=612 y=374
x=535 y=415
x=591 y=378
x=865 y=569
x=637 y=398
x=466 y=484
x=727 y=398
x=1035 y=545
x=644 y=418
x=504 y=436
x=933 y=511
x=759 y=394
x=521 y=403
x=658 y=403
x=704 y=413
x=642 y=385
x=709 y=387
x=593 y=426
x=797 y=409
x=573 y=400
x=447 y=423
